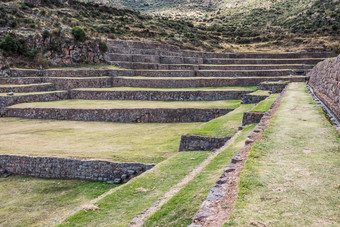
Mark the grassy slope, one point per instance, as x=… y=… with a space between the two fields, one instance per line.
x=130 y=104
x=180 y=209
x=147 y=143
x=282 y=185
x=223 y=126
x=119 y=208
x=265 y=105
x=31 y=201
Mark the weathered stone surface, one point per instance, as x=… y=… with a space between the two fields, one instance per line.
x=12 y=100
x=325 y=81
x=191 y=95
x=201 y=143
x=120 y=115
x=275 y=87
x=247 y=99
x=251 y=117
x=61 y=168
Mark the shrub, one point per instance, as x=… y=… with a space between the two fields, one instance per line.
x=78 y=34
x=103 y=46
x=46 y=34
x=10 y=44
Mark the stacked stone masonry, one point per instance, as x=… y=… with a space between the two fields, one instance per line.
x=119 y=115
x=201 y=143
x=251 y=117
x=325 y=81
x=60 y=168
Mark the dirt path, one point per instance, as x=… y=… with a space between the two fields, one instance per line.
x=139 y=220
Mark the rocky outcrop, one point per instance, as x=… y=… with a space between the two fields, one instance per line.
x=325 y=81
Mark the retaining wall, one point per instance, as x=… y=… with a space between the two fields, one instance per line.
x=119 y=115
x=158 y=95
x=275 y=87
x=186 y=83
x=28 y=88
x=60 y=168
x=201 y=143
x=247 y=99
x=251 y=117
x=325 y=81
x=45 y=97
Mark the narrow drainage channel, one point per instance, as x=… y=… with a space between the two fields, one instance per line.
x=325 y=107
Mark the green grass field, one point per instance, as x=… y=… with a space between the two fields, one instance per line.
x=292 y=175
x=29 y=201
x=147 y=143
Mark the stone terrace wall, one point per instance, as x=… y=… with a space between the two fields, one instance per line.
x=45 y=97
x=60 y=168
x=275 y=87
x=252 y=117
x=158 y=95
x=201 y=143
x=247 y=99
x=325 y=81
x=119 y=115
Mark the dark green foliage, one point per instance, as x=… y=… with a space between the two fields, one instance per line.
x=103 y=46
x=11 y=45
x=46 y=34
x=78 y=34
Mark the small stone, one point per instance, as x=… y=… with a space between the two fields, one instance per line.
x=257 y=130
x=249 y=141
x=230 y=168
x=10 y=93
x=240 y=127
x=134 y=221
x=6 y=175
x=117 y=181
x=307 y=151
x=236 y=160
x=2 y=171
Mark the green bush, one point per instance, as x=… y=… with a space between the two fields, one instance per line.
x=10 y=45
x=78 y=34
x=103 y=46
x=46 y=34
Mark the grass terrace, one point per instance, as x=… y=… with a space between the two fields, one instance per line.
x=265 y=105
x=144 y=143
x=226 y=125
x=30 y=93
x=291 y=177
x=260 y=93
x=130 y=104
x=29 y=201
x=206 y=78
x=22 y=85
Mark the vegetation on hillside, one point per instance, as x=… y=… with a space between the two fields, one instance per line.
x=259 y=25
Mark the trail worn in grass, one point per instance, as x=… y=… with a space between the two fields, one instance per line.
x=292 y=176
x=265 y=105
x=119 y=208
x=131 y=104
x=146 y=143
x=37 y=202
x=181 y=208
x=226 y=125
